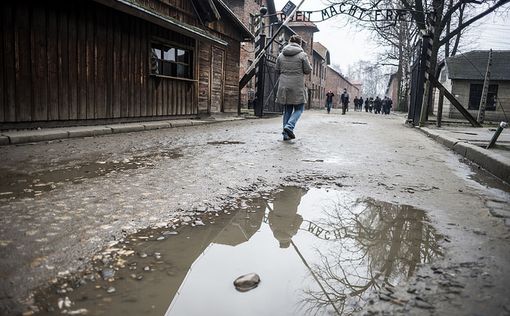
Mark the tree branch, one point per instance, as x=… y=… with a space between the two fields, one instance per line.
x=470 y=21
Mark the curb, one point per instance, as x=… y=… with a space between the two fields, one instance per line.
x=22 y=137
x=495 y=163
x=39 y=136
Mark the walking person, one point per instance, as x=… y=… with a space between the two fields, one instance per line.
x=329 y=100
x=377 y=105
x=292 y=65
x=385 y=104
x=360 y=106
x=344 y=99
x=356 y=103
x=367 y=103
x=389 y=105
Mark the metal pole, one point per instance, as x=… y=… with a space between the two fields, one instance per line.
x=440 y=108
x=485 y=90
x=501 y=126
x=248 y=73
x=424 y=68
x=315 y=277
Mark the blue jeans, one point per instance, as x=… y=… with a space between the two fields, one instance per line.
x=328 y=106
x=291 y=114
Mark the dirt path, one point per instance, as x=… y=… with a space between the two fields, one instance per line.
x=70 y=198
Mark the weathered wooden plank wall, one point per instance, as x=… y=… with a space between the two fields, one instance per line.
x=231 y=88
x=77 y=60
x=204 y=77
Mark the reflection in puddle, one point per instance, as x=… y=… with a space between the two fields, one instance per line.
x=20 y=185
x=320 y=251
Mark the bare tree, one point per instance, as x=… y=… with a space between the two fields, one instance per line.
x=444 y=20
x=381 y=244
x=435 y=17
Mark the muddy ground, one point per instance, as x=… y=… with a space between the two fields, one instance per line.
x=64 y=201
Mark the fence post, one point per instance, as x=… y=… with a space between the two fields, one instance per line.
x=485 y=91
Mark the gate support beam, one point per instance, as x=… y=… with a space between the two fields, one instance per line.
x=453 y=101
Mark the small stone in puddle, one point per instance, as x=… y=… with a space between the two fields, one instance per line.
x=247 y=282
x=111 y=289
x=107 y=273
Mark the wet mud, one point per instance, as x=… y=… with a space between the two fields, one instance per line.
x=317 y=251
x=17 y=185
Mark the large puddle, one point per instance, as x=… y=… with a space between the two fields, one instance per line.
x=317 y=252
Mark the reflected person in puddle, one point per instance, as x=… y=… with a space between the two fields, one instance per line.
x=283 y=218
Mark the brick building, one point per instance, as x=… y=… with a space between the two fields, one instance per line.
x=248 y=11
x=336 y=82
x=392 y=90
x=320 y=61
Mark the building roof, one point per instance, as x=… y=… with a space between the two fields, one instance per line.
x=473 y=65
x=310 y=25
x=322 y=51
x=341 y=76
x=170 y=23
x=247 y=35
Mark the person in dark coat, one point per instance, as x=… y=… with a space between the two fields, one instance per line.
x=367 y=104
x=360 y=106
x=377 y=105
x=344 y=99
x=356 y=103
x=384 y=103
x=329 y=100
x=388 y=105
x=283 y=219
x=292 y=65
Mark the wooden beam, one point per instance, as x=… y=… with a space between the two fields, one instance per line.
x=454 y=101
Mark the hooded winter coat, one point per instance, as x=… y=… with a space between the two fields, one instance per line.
x=292 y=64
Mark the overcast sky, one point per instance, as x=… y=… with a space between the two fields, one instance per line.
x=347 y=44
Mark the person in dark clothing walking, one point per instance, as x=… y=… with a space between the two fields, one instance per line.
x=329 y=100
x=377 y=105
x=367 y=104
x=344 y=99
x=360 y=104
x=356 y=103
x=387 y=105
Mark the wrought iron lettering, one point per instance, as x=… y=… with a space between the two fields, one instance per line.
x=357 y=12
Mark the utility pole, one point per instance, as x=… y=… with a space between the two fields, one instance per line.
x=260 y=43
x=485 y=91
x=426 y=53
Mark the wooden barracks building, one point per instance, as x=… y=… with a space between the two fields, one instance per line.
x=93 y=62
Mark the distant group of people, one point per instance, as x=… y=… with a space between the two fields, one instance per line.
x=378 y=106
x=344 y=101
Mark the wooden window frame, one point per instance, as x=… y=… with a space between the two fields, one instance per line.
x=190 y=64
x=493 y=91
